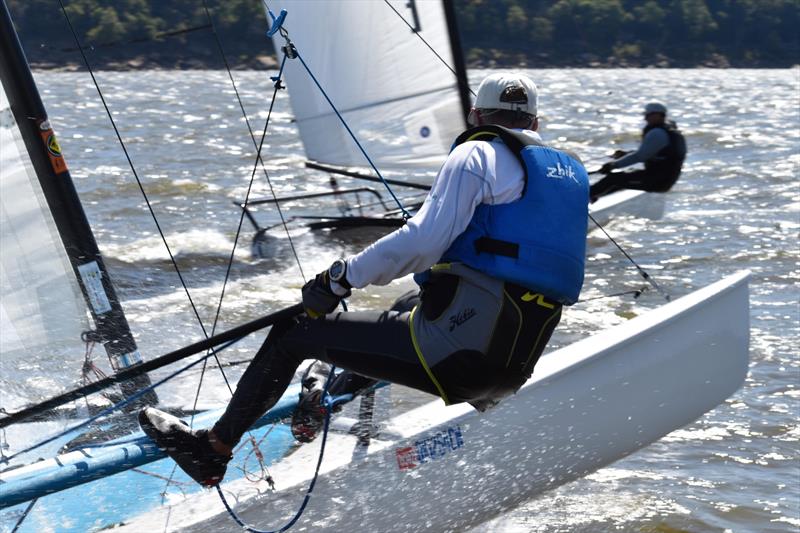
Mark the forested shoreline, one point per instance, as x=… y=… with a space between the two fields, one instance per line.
x=138 y=34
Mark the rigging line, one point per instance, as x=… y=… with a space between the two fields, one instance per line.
x=165 y=490
x=415 y=32
x=119 y=405
x=284 y=221
x=24 y=515
x=238 y=230
x=258 y=146
x=147 y=201
x=406 y=214
x=247 y=196
x=156 y=37
x=642 y=272
x=133 y=168
x=636 y=293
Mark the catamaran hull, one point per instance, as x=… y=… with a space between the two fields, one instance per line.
x=627 y=202
x=621 y=203
x=588 y=405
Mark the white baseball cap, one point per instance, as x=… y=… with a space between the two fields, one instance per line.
x=508 y=90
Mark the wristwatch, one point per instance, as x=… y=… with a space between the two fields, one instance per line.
x=337 y=272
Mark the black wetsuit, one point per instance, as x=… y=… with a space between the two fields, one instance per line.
x=377 y=346
x=660 y=172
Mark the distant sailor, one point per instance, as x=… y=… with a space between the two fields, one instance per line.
x=498 y=248
x=662 y=151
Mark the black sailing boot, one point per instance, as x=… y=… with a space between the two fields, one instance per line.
x=309 y=415
x=190 y=449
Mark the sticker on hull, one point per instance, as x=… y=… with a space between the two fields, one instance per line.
x=431 y=448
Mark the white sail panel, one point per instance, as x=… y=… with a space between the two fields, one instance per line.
x=43 y=311
x=396 y=95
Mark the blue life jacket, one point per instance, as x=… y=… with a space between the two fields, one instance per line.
x=539 y=240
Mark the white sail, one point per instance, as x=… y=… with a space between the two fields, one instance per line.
x=399 y=99
x=42 y=311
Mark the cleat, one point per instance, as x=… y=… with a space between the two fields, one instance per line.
x=188 y=448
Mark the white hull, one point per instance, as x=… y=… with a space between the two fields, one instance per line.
x=588 y=405
x=627 y=202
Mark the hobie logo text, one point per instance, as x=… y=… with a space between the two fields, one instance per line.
x=461 y=317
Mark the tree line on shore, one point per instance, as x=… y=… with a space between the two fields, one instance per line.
x=176 y=33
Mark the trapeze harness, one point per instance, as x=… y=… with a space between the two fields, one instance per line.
x=489 y=306
x=667 y=163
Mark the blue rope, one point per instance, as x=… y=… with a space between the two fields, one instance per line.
x=307 y=497
x=406 y=214
x=138 y=394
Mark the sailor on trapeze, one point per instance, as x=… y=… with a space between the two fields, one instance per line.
x=498 y=248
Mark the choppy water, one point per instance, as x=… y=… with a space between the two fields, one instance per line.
x=736 y=207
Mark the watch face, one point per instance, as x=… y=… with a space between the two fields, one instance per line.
x=336 y=271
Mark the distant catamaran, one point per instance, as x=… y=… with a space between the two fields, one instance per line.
x=434 y=467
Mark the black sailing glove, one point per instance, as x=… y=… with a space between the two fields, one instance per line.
x=607 y=168
x=319 y=298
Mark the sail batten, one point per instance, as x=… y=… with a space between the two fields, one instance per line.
x=379 y=103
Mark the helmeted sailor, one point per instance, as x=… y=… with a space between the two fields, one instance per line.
x=497 y=247
x=662 y=151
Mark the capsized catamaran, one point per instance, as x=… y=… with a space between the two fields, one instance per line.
x=434 y=467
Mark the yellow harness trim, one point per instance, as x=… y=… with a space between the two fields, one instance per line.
x=527 y=297
x=422 y=359
x=539 y=337
x=519 y=327
x=480 y=134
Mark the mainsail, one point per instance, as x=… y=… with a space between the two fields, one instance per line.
x=49 y=254
x=401 y=101
x=41 y=307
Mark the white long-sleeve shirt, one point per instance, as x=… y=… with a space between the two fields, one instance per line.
x=475 y=172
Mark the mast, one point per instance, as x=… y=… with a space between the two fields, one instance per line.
x=458 y=58
x=112 y=328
